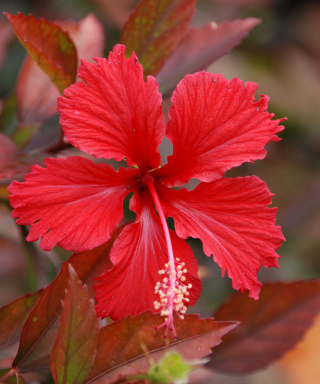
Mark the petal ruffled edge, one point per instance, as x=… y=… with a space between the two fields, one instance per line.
x=73 y=202
x=114 y=113
x=215 y=125
x=231 y=218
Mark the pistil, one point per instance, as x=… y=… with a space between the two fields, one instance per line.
x=172 y=290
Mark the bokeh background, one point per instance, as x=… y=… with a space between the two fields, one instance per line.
x=282 y=55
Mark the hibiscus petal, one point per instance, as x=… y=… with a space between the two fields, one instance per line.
x=231 y=218
x=72 y=202
x=137 y=255
x=114 y=113
x=215 y=125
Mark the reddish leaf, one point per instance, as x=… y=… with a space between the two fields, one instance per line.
x=87 y=35
x=40 y=331
x=49 y=46
x=76 y=346
x=6 y=35
x=120 y=343
x=12 y=319
x=36 y=94
x=154 y=29
x=200 y=47
x=116 y=13
x=269 y=327
x=13 y=160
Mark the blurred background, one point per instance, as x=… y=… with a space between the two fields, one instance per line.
x=282 y=55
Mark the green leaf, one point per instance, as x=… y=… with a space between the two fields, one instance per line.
x=24 y=134
x=8 y=115
x=269 y=326
x=120 y=349
x=154 y=29
x=75 y=349
x=40 y=331
x=49 y=46
x=9 y=380
x=12 y=319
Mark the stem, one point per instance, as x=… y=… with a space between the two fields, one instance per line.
x=57 y=147
x=169 y=322
x=9 y=374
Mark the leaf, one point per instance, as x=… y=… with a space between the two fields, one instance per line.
x=269 y=327
x=25 y=133
x=13 y=160
x=8 y=118
x=6 y=35
x=153 y=30
x=12 y=319
x=200 y=47
x=36 y=94
x=87 y=35
x=120 y=350
x=115 y=13
x=41 y=328
x=49 y=46
x=76 y=346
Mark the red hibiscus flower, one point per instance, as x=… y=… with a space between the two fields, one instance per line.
x=215 y=124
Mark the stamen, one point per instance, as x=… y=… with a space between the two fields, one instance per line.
x=178 y=296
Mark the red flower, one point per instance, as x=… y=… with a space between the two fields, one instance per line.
x=214 y=125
